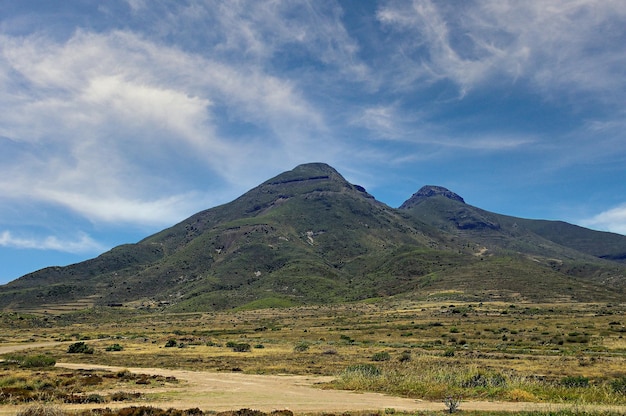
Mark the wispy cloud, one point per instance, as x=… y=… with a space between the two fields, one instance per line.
x=118 y=210
x=82 y=244
x=118 y=112
x=547 y=44
x=613 y=220
x=392 y=123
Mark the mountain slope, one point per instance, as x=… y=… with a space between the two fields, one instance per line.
x=446 y=210
x=309 y=236
x=575 y=251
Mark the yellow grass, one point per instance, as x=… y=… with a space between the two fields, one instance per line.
x=544 y=342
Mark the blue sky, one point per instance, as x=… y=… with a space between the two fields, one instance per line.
x=120 y=118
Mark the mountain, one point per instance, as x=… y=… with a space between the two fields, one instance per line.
x=308 y=236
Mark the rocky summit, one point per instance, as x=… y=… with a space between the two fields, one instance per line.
x=429 y=191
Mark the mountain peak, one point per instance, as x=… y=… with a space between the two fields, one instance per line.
x=305 y=172
x=430 y=191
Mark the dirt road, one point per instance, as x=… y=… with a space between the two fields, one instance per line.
x=300 y=394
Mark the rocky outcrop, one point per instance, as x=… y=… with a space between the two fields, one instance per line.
x=430 y=191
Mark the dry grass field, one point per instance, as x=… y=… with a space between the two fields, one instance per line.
x=540 y=353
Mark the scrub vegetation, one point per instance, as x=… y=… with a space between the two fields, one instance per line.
x=546 y=353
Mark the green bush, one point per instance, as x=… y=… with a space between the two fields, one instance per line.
x=301 y=346
x=31 y=361
x=94 y=398
x=242 y=347
x=381 y=356
x=575 y=381
x=449 y=352
x=38 y=361
x=80 y=348
x=619 y=385
x=114 y=347
x=171 y=343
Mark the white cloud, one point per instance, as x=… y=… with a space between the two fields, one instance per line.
x=109 y=118
x=384 y=121
x=82 y=244
x=260 y=30
x=391 y=122
x=136 y=5
x=613 y=220
x=570 y=46
x=116 y=209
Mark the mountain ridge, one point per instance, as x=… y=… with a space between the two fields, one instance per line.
x=309 y=236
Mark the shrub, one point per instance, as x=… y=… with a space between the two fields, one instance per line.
x=242 y=347
x=619 y=385
x=449 y=352
x=121 y=396
x=90 y=379
x=78 y=399
x=301 y=346
x=578 y=338
x=94 y=398
x=124 y=375
x=452 y=403
x=575 y=381
x=249 y=412
x=283 y=412
x=33 y=361
x=171 y=343
x=405 y=356
x=381 y=356
x=114 y=347
x=79 y=348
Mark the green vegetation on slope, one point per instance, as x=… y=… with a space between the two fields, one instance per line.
x=308 y=236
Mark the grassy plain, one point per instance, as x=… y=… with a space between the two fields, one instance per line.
x=555 y=353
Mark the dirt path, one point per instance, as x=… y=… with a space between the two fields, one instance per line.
x=9 y=348
x=300 y=394
x=229 y=391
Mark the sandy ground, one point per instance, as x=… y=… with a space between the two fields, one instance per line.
x=300 y=394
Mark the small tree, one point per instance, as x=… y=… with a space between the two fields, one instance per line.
x=452 y=403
